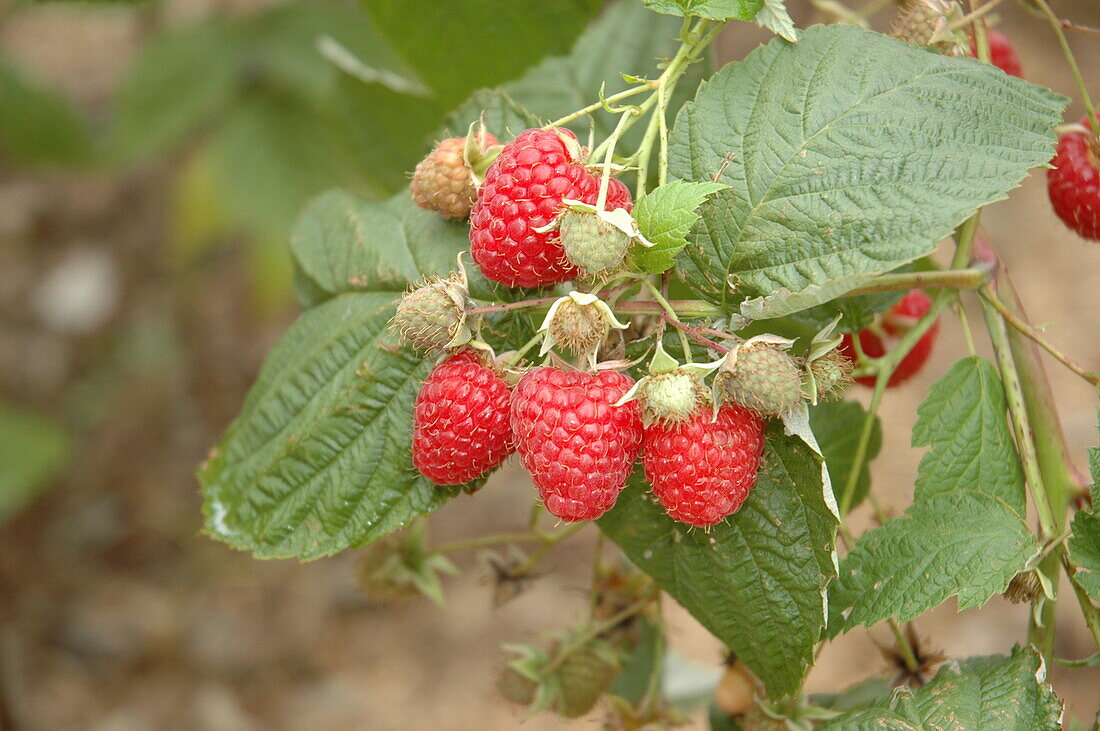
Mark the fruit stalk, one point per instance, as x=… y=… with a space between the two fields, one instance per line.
x=1082 y=88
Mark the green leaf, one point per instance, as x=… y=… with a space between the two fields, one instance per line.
x=179 y=80
x=1084 y=544
x=965 y=533
x=774 y=16
x=34 y=451
x=319 y=459
x=457 y=47
x=995 y=693
x=665 y=216
x=966 y=544
x=963 y=422
x=342 y=243
x=837 y=425
x=847 y=154
x=38 y=125
x=712 y=9
x=854 y=697
x=756 y=581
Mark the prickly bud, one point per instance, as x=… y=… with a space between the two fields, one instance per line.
x=445 y=180
x=592 y=244
x=569 y=678
x=670 y=398
x=761 y=377
x=433 y=315
x=832 y=373
x=927 y=23
x=1024 y=588
x=578 y=324
x=401 y=565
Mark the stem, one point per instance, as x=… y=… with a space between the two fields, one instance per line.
x=696 y=334
x=549 y=540
x=969 y=17
x=509 y=306
x=886 y=366
x=1082 y=88
x=644 y=153
x=971 y=278
x=981 y=39
x=596 y=106
x=907 y=652
x=672 y=317
x=1021 y=425
x=1033 y=334
x=484 y=541
x=626 y=120
x=682 y=308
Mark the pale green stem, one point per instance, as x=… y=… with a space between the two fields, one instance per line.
x=1082 y=87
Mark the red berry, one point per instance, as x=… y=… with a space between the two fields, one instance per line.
x=578 y=446
x=460 y=425
x=1073 y=182
x=703 y=469
x=896 y=322
x=1002 y=53
x=522 y=191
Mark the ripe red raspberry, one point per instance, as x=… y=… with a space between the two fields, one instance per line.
x=1074 y=182
x=896 y=322
x=460 y=425
x=522 y=191
x=703 y=469
x=1002 y=53
x=442 y=181
x=578 y=446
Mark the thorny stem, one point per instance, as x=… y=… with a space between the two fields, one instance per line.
x=971 y=278
x=1033 y=334
x=1082 y=88
x=1021 y=425
x=595 y=107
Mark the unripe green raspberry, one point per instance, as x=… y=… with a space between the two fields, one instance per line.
x=592 y=244
x=670 y=397
x=764 y=379
x=926 y=23
x=578 y=328
x=832 y=374
x=433 y=315
x=514 y=687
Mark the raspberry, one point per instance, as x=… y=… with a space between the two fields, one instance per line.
x=522 y=191
x=442 y=181
x=578 y=446
x=763 y=378
x=897 y=321
x=460 y=425
x=703 y=469
x=592 y=244
x=670 y=397
x=1074 y=182
x=1002 y=53
x=926 y=23
x=433 y=315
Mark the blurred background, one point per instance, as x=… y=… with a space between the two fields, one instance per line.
x=152 y=159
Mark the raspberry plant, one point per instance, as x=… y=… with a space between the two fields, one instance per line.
x=720 y=253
